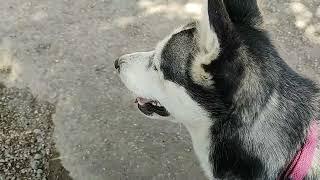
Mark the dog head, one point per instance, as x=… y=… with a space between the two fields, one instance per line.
x=197 y=69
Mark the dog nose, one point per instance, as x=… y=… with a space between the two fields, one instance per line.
x=116 y=64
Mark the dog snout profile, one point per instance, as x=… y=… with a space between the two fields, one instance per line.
x=117 y=64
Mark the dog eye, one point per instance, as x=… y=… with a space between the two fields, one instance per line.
x=155 y=68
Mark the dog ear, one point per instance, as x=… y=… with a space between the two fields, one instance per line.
x=216 y=31
x=244 y=12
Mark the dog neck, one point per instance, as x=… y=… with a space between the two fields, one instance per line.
x=201 y=139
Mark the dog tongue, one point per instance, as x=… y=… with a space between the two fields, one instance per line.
x=142 y=101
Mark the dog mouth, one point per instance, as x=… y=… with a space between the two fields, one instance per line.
x=149 y=107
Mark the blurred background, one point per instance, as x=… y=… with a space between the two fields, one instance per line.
x=64 y=114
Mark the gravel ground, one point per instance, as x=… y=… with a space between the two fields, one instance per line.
x=63 y=51
x=26 y=128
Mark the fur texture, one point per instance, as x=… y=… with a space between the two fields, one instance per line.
x=247 y=111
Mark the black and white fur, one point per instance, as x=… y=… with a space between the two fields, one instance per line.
x=246 y=110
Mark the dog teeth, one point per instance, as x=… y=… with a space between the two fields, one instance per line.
x=156 y=103
x=143 y=101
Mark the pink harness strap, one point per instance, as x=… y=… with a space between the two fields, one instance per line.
x=302 y=162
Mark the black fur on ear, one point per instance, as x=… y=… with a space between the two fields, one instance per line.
x=218 y=40
x=244 y=12
x=219 y=19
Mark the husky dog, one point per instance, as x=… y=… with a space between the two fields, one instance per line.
x=248 y=113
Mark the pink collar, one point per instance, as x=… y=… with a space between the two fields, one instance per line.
x=301 y=164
